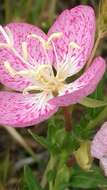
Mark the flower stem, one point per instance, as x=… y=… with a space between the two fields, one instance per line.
x=67 y=116
x=50 y=166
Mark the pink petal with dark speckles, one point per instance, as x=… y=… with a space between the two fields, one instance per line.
x=83 y=86
x=20 y=32
x=36 y=55
x=77 y=25
x=99 y=143
x=17 y=110
x=17 y=82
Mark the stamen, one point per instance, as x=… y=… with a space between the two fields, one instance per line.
x=54 y=36
x=21 y=58
x=10 y=35
x=3 y=45
x=27 y=73
x=10 y=42
x=8 y=67
x=74 y=45
x=54 y=49
x=63 y=70
x=24 y=73
x=31 y=88
x=43 y=42
x=4 y=34
x=46 y=43
x=44 y=75
x=24 y=51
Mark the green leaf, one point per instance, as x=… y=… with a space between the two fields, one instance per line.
x=51 y=175
x=92 y=103
x=91 y=179
x=41 y=140
x=30 y=181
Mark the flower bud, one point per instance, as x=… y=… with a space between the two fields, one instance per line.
x=83 y=156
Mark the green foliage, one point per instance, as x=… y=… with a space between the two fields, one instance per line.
x=57 y=139
x=30 y=181
x=91 y=117
x=94 y=178
x=41 y=140
x=4 y=169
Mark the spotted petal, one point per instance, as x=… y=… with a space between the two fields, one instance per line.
x=21 y=33
x=83 y=86
x=99 y=143
x=77 y=26
x=17 y=110
x=7 y=57
x=20 y=56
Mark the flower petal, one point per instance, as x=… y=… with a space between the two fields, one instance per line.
x=20 y=33
x=77 y=26
x=7 y=57
x=83 y=86
x=17 y=54
x=99 y=143
x=17 y=110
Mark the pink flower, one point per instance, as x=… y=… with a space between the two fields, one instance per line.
x=99 y=147
x=37 y=65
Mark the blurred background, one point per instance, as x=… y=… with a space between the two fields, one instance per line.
x=17 y=147
x=38 y=12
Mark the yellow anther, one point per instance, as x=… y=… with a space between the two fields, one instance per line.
x=31 y=88
x=8 y=67
x=74 y=45
x=44 y=72
x=4 y=34
x=43 y=42
x=54 y=36
x=10 y=36
x=43 y=67
x=3 y=45
x=24 y=73
x=24 y=51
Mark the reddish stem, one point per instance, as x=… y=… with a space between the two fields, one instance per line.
x=67 y=116
x=71 y=161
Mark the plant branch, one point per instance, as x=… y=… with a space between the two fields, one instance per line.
x=50 y=166
x=67 y=116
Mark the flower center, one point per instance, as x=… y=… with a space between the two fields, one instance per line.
x=43 y=76
x=51 y=82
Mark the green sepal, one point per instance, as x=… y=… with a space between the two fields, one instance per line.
x=92 y=103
